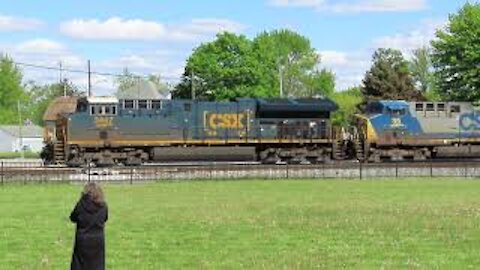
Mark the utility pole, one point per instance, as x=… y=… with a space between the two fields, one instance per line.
x=89 y=80
x=192 y=79
x=62 y=83
x=20 y=124
x=60 y=68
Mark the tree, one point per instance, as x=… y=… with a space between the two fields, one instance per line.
x=456 y=55
x=233 y=66
x=389 y=78
x=421 y=69
x=125 y=81
x=290 y=55
x=11 y=91
x=40 y=97
x=348 y=102
x=222 y=69
x=319 y=83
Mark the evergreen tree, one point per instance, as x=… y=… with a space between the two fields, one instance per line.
x=389 y=78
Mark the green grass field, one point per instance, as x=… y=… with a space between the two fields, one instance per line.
x=389 y=224
x=13 y=155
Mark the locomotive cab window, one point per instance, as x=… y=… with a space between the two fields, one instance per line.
x=441 y=107
x=455 y=109
x=397 y=112
x=82 y=107
x=142 y=104
x=419 y=107
x=156 y=104
x=375 y=108
x=128 y=104
x=103 y=109
x=187 y=107
x=430 y=107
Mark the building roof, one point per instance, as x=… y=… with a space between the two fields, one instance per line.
x=140 y=90
x=28 y=131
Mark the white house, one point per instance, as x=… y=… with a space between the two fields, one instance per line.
x=15 y=138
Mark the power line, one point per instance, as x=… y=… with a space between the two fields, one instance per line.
x=106 y=74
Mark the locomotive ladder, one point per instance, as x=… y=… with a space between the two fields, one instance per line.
x=59 y=152
x=338 y=149
x=59 y=145
x=359 y=149
x=338 y=144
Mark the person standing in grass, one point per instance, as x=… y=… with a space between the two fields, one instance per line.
x=90 y=214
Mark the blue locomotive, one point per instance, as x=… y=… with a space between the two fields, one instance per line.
x=107 y=131
x=398 y=130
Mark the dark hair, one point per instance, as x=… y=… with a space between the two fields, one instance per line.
x=95 y=192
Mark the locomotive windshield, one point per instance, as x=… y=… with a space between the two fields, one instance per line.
x=397 y=112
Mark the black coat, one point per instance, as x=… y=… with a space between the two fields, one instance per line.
x=89 y=249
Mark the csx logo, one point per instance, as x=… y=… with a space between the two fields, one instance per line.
x=103 y=122
x=225 y=120
x=470 y=121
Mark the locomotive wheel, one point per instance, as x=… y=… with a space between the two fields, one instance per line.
x=269 y=156
x=299 y=159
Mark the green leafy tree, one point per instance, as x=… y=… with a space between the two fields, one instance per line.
x=40 y=97
x=234 y=66
x=222 y=69
x=421 y=69
x=456 y=55
x=319 y=83
x=389 y=78
x=290 y=55
x=11 y=91
x=348 y=102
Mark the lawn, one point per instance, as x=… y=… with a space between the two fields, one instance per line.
x=13 y=155
x=389 y=224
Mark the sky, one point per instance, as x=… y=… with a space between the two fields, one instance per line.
x=156 y=37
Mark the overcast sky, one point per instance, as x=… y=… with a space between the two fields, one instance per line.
x=150 y=36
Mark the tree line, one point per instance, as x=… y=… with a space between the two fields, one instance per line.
x=284 y=63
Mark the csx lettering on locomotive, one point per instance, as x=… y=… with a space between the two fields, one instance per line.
x=103 y=122
x=470 y=121
x=225 y=120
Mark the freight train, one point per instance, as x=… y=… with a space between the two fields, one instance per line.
x=107 y=131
